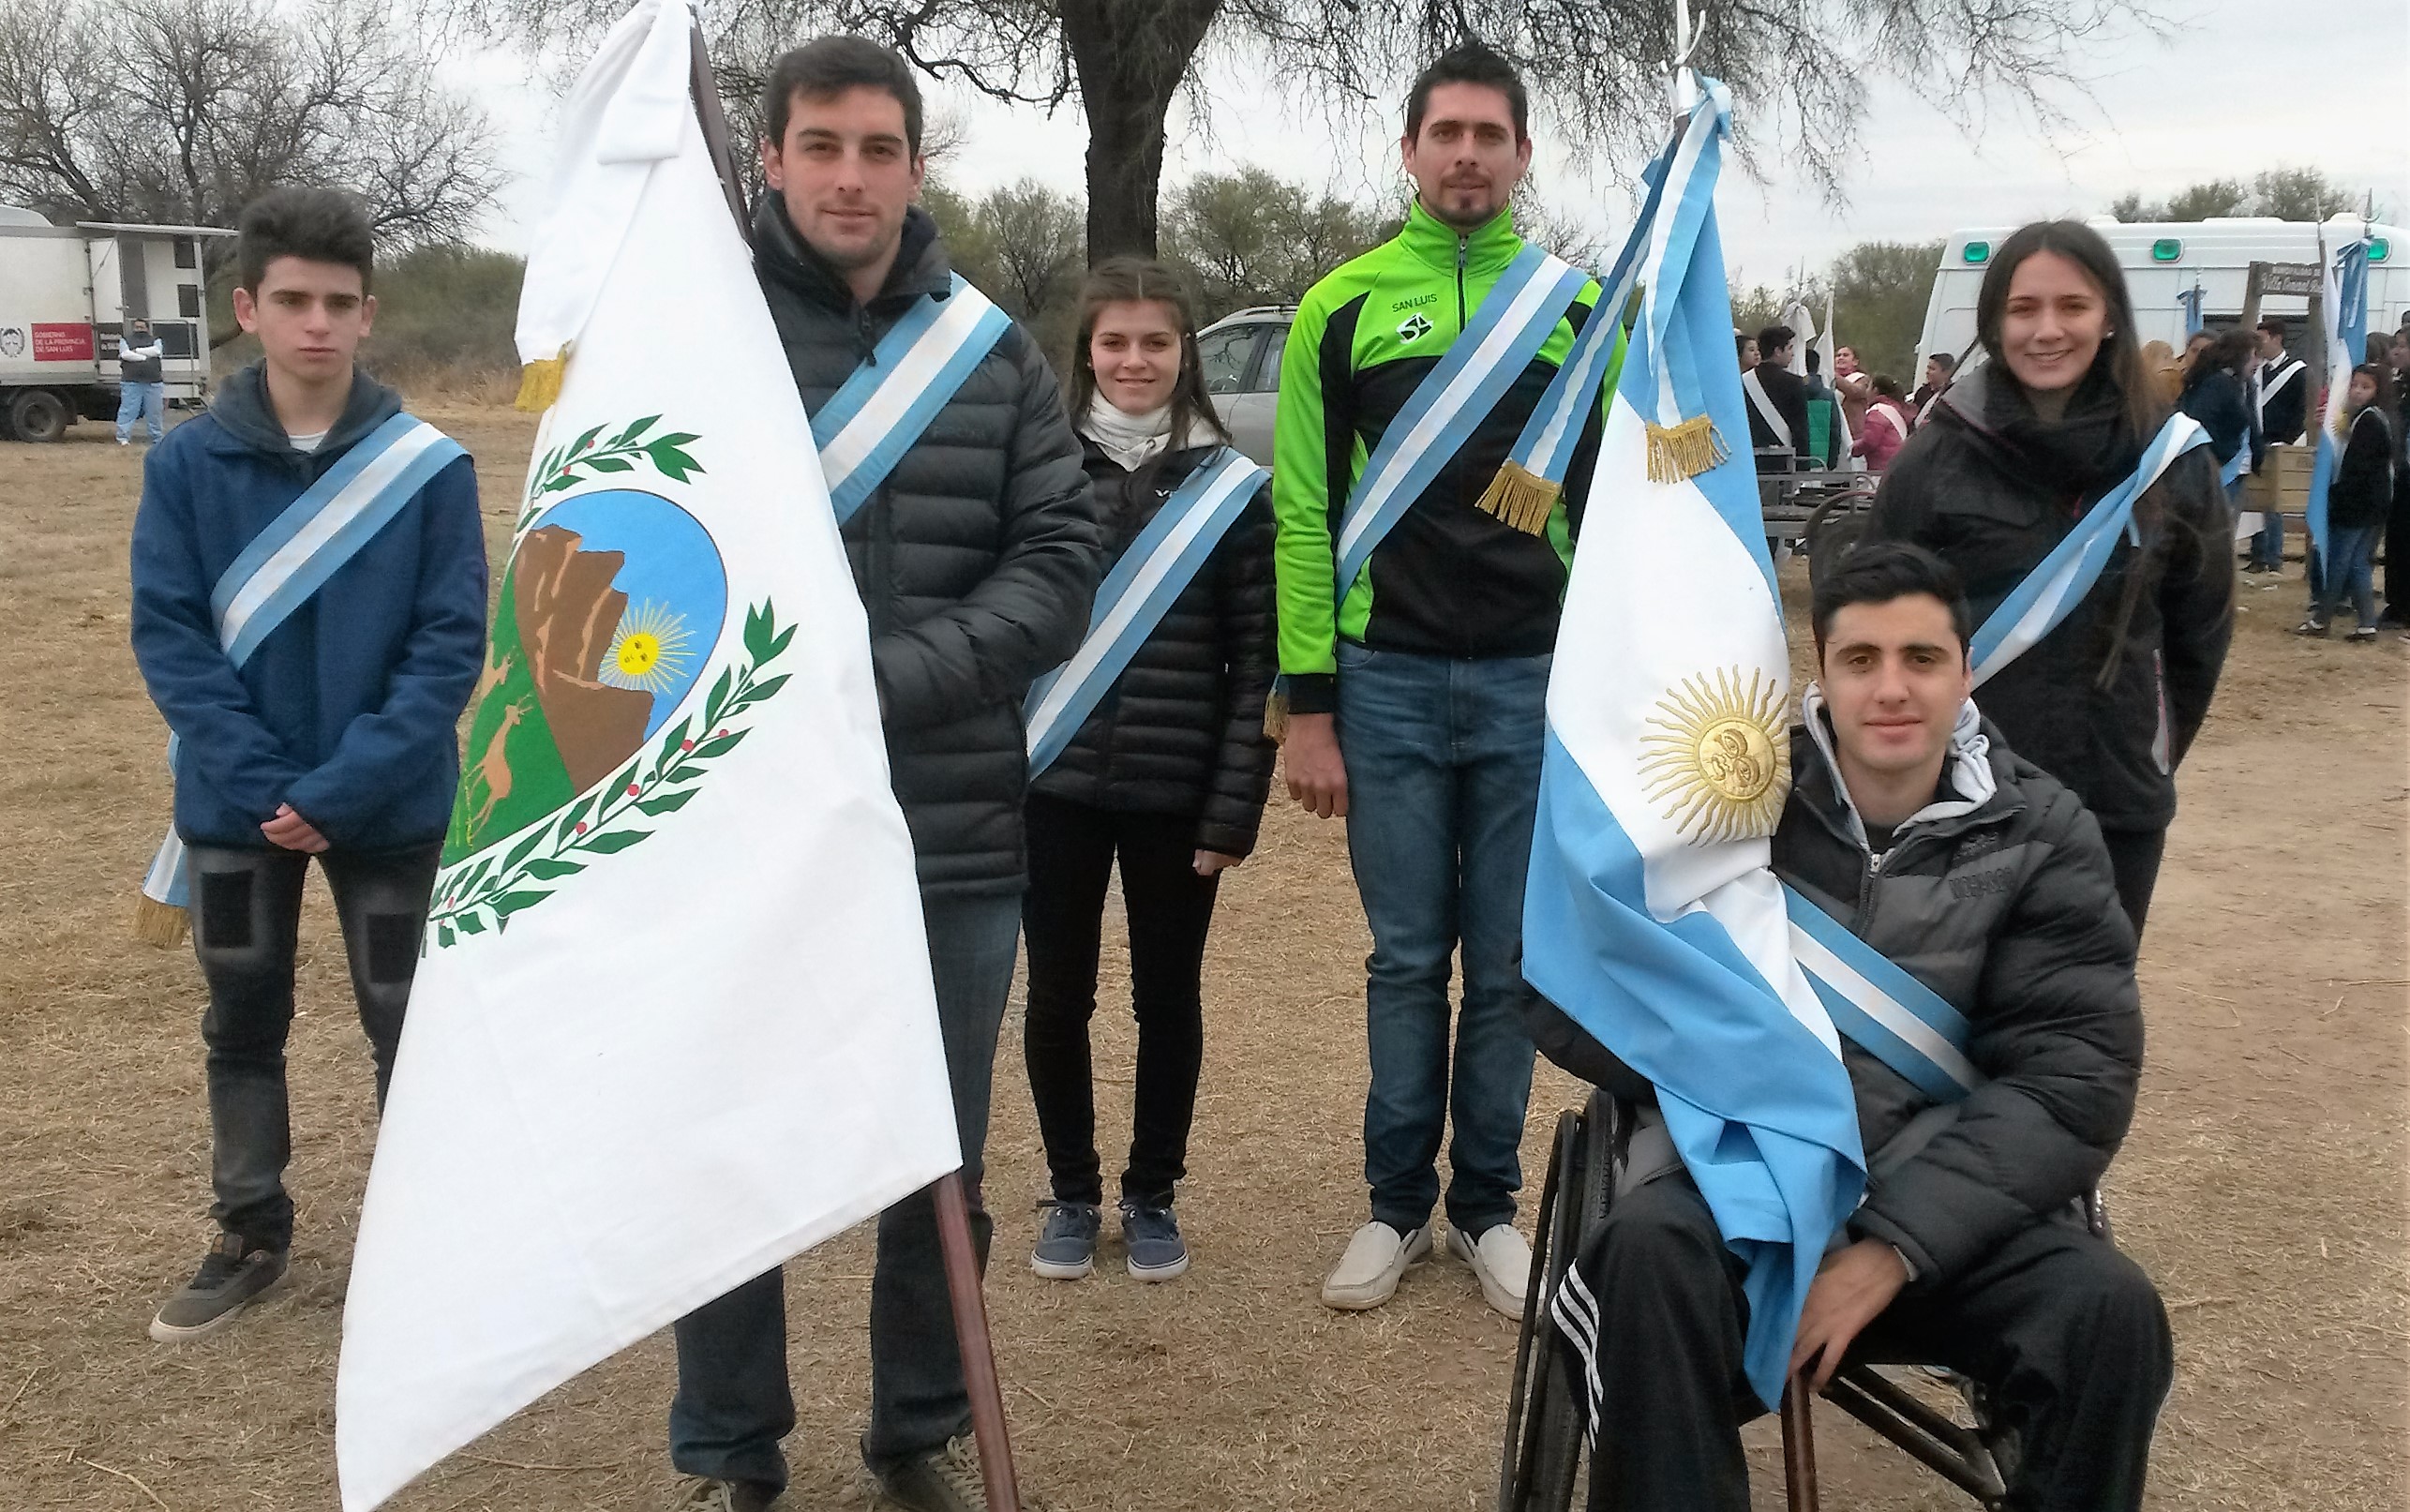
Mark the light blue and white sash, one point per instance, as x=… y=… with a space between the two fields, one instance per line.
x=1513 y=322
x=918 y=365
x=2346 y=281
x=2236 y=464
x=294 y=556
x=2035 y=607
x=1888 y=1012
x=1136 y=594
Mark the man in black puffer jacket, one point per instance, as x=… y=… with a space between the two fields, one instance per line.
x=976 y=558
x=1985 y=879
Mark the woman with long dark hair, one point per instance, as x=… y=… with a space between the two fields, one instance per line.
x=1166 y=777
x=2358 y=502
x=2011 y=459
x=2214 y=393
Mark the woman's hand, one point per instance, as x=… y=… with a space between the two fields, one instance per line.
x=1208 y=862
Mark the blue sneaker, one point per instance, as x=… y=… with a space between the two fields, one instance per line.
x=1153 y=1236
x=1067 y=1244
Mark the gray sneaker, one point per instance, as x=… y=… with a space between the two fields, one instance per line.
x=700 y=1493
x=1152 y=1236
x=230 y=1275
x=941 y=1480
x=1066 y=1248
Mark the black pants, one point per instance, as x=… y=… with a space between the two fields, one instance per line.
x=1071 y=853
x=2397 y=553
x=2067 y=1333
x=245 y=924
x=2134 y=860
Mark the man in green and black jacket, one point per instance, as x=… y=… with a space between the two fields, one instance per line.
x=1415 y=697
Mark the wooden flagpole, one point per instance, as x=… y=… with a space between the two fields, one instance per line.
x=954 y=1208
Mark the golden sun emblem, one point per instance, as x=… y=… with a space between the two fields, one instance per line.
x=1723 y=760
x=650 y=651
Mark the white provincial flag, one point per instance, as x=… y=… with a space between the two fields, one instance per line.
x=673 y=1021
x=1651 y=917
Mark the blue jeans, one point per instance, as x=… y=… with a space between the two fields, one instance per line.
x=147 y=402
x=2268 y=547
x=2352 y=563
x=1443 y=775
x=734 y=1402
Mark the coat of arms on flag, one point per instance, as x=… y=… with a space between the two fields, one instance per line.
x=674 y=1021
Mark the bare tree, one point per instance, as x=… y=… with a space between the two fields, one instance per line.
x=2285 y=194
x=115 y=110
x=1032 y=233
x=1799 y=67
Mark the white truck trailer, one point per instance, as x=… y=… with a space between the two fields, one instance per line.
x=66 y=294
x=2164 y=262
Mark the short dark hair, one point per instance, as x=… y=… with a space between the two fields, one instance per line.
x=2274 y=325
x=1470 y=62
x=315 y=225
x=1946 y=360
x=1814 y=360
x=825 y=67
x=1880 y=572
x=1774 y=336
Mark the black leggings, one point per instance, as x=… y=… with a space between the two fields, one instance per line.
x=2133 y=856
x=1071 y=853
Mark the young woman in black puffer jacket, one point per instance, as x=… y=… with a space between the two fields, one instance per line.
x=1167 y=777
x=2013 y=455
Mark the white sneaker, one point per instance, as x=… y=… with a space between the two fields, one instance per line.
x=1367 y=1275
x=1501 y=1261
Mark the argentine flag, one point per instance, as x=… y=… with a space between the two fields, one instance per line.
x=2347 y=301
x=1651 y=915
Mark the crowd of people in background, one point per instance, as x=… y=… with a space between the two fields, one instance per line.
x=2242 y=384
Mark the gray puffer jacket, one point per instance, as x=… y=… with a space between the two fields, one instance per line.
x=976 y=558
x=1998 y=896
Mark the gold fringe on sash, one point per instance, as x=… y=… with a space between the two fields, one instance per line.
x=539 y=382
x=1683 y=451
x=1276 y=717
x=162 y=924
x=1520 y=498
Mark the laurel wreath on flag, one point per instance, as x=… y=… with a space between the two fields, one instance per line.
x=487 y=894
x=570 y=464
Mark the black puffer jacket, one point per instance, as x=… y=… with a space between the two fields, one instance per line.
x=1182 y=729
x=976 y=558
x=1970 y=486
x=2000 y=899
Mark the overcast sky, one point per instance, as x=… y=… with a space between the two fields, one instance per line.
x=2235 y=87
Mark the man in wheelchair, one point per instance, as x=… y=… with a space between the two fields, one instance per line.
x=1980 y=876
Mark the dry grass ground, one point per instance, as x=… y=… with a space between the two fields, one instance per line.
x=2263 y=1186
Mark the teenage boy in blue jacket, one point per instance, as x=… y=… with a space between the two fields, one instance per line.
x=335 y=737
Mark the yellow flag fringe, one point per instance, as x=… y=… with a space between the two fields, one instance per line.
x=162 y=924
x=539 y=382
x=1276 y=717
x=1519 y=497
x=1685 y=450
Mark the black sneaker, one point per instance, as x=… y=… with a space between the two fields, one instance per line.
x=700 y=1493
x=230 y=1275
x=1153 y=1236
x=1065 y=1250
x=941 y=1480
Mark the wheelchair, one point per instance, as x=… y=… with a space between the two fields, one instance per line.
x=1545 y=1464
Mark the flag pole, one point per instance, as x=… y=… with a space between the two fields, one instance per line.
x=954 y=1209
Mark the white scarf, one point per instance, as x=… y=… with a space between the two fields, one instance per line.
x=1135 y=439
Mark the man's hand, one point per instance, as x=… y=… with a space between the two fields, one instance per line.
x=1850 y=1292
x=1310 y=757
x=293 y=831
x=1208 y=862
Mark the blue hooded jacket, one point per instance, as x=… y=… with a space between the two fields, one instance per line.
x=349 y=709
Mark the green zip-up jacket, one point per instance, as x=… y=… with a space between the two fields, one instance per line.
x=1449 y=580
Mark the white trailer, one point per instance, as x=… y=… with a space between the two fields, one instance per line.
x=66 y=294
x=2164 y=261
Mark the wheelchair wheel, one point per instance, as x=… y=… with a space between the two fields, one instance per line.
x=1546 y=1448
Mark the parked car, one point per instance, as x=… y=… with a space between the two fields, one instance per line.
x=1240 y=355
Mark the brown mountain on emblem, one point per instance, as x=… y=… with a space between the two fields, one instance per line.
x=567 y=613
